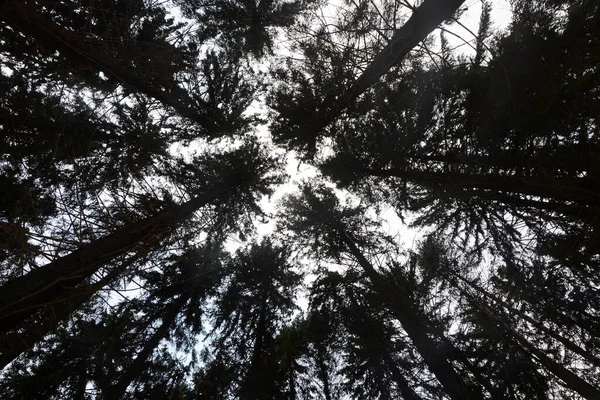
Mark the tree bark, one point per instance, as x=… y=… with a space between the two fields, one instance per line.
x=398 y=301
x=322 y=373
x=22 y=297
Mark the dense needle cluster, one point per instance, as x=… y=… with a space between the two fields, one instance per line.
x=141 y=140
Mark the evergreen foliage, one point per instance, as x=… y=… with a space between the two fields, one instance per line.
x=143 y=146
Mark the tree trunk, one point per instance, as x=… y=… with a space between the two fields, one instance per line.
x=15 y=343
x=22 y=297
x=551 y=333
x=571 y=380
x=251 y=389
x=322 y=372
x=459 y=355
x=403 y=386
x=137 y=366
x=26 y=18
x=429 y=15
x=580 y=191
x=292 y=383
x=399 y=302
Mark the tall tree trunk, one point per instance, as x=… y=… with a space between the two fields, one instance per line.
x=580 y=191
x=537 y=324
x=398 y=301
x=22 y=297
x=406 y=391
x=137 y=366
x=292 y=383
x=25 y=17
x=251 y=388
x=428 y=16
x=459 y=355
x=425 y=18
x=579 y=160
x=571 y=380
x=14 y=343
x=322 y=372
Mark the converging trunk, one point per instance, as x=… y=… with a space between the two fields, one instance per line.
x=433 y=354
x=571 y=380
x=22 y=297
x=137 y=366
x=403 y=386
x=14 y=343
x=570 y=345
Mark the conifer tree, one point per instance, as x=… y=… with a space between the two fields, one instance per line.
x=319 y=221
x=139 y=139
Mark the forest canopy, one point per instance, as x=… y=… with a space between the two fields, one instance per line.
x=160 y=237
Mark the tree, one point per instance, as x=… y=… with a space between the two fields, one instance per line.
x=135 y=147
x=16 y=342
x=197 y=275
x=252 y=307
x=569 y=378
x=317 y=218
x=435 y=143
x=240 y=176
x=326 y=85
x=504 y=331
x=120 y=345
x=247 y=25
x=351 y=318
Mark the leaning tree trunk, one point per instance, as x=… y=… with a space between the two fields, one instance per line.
x=251 y=389
x=399 y=302
x=459 y=355
x=27 y=18
x=14 y=343
x=22 y=297
x=322 y=371
x=404 y=387
x=571 y=380
x=137 y=366
x=570 y=345
x=429 y=15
